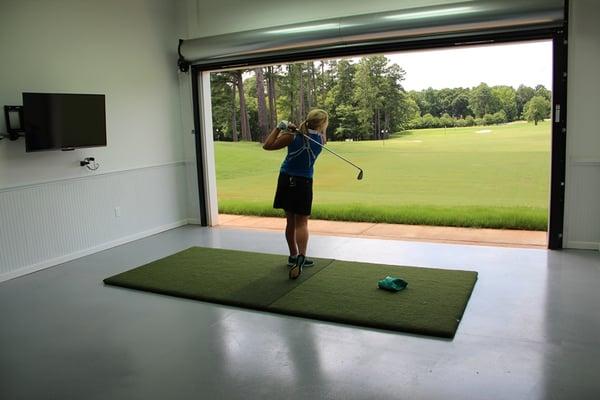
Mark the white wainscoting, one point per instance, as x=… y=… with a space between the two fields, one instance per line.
x=46 y=224
x=582 y=223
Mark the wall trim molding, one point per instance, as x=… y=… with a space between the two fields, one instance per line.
x=585 y=161
x=95 y=175
x=90 y=250
x=574 y=244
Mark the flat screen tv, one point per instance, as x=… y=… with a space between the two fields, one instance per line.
x=63 y=121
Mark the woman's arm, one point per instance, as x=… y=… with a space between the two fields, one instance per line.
x=278 y=139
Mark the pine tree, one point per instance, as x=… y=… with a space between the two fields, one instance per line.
x=261 y=105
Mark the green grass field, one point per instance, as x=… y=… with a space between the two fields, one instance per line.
x=492 y=176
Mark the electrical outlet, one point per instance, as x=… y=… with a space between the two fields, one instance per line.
x=117 y=212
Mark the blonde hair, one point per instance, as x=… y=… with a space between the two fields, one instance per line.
x=315 y=119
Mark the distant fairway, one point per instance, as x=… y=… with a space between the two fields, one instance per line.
x=491 y=176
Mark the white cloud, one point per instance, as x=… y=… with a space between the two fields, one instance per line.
x=528 y=63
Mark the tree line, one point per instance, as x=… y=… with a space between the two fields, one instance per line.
x=364 y=99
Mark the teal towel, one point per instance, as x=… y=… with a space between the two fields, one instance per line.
x=392 y=284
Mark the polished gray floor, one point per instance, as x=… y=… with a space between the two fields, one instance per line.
x=531 y=331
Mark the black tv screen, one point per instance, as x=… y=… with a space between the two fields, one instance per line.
x=63 y=121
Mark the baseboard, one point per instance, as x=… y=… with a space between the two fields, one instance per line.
x=194 y=221
x=91 y=250
x=572 y=244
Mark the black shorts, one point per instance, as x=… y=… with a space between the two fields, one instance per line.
x=294 y=194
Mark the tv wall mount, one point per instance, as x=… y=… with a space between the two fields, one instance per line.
x=14 y=132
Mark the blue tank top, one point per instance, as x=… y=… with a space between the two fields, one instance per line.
x=302 y=154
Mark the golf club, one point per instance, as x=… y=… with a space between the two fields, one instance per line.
x=360 y=173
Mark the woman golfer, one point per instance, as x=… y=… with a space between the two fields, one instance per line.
x=294 y=186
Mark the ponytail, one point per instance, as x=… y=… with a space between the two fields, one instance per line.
x=315 y=119
x=303 y=128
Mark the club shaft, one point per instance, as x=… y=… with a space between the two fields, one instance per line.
x=333 y=152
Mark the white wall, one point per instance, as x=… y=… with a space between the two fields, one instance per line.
x=582 y=211
x=126 y=50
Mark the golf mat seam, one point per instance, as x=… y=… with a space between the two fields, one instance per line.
x=300 y=284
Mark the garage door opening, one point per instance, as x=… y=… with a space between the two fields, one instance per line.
x=457 y=137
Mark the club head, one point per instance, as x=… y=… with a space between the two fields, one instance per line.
x=360 y=175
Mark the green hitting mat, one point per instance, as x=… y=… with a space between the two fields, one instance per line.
x=339 y=291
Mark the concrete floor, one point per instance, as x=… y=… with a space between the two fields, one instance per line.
x=531 y=331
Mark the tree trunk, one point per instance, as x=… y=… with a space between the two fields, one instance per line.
x=322 y=88
x=244 y=123
x=272 y=98
x=301 y=111
x=386 y=124
x=234 y=132
x=315 y=88
x=311 y=91
x=377 y=125
x=263 y=124
x=291 y=92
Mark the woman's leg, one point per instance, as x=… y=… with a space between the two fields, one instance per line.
x=301 y=224
x=290 y=233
